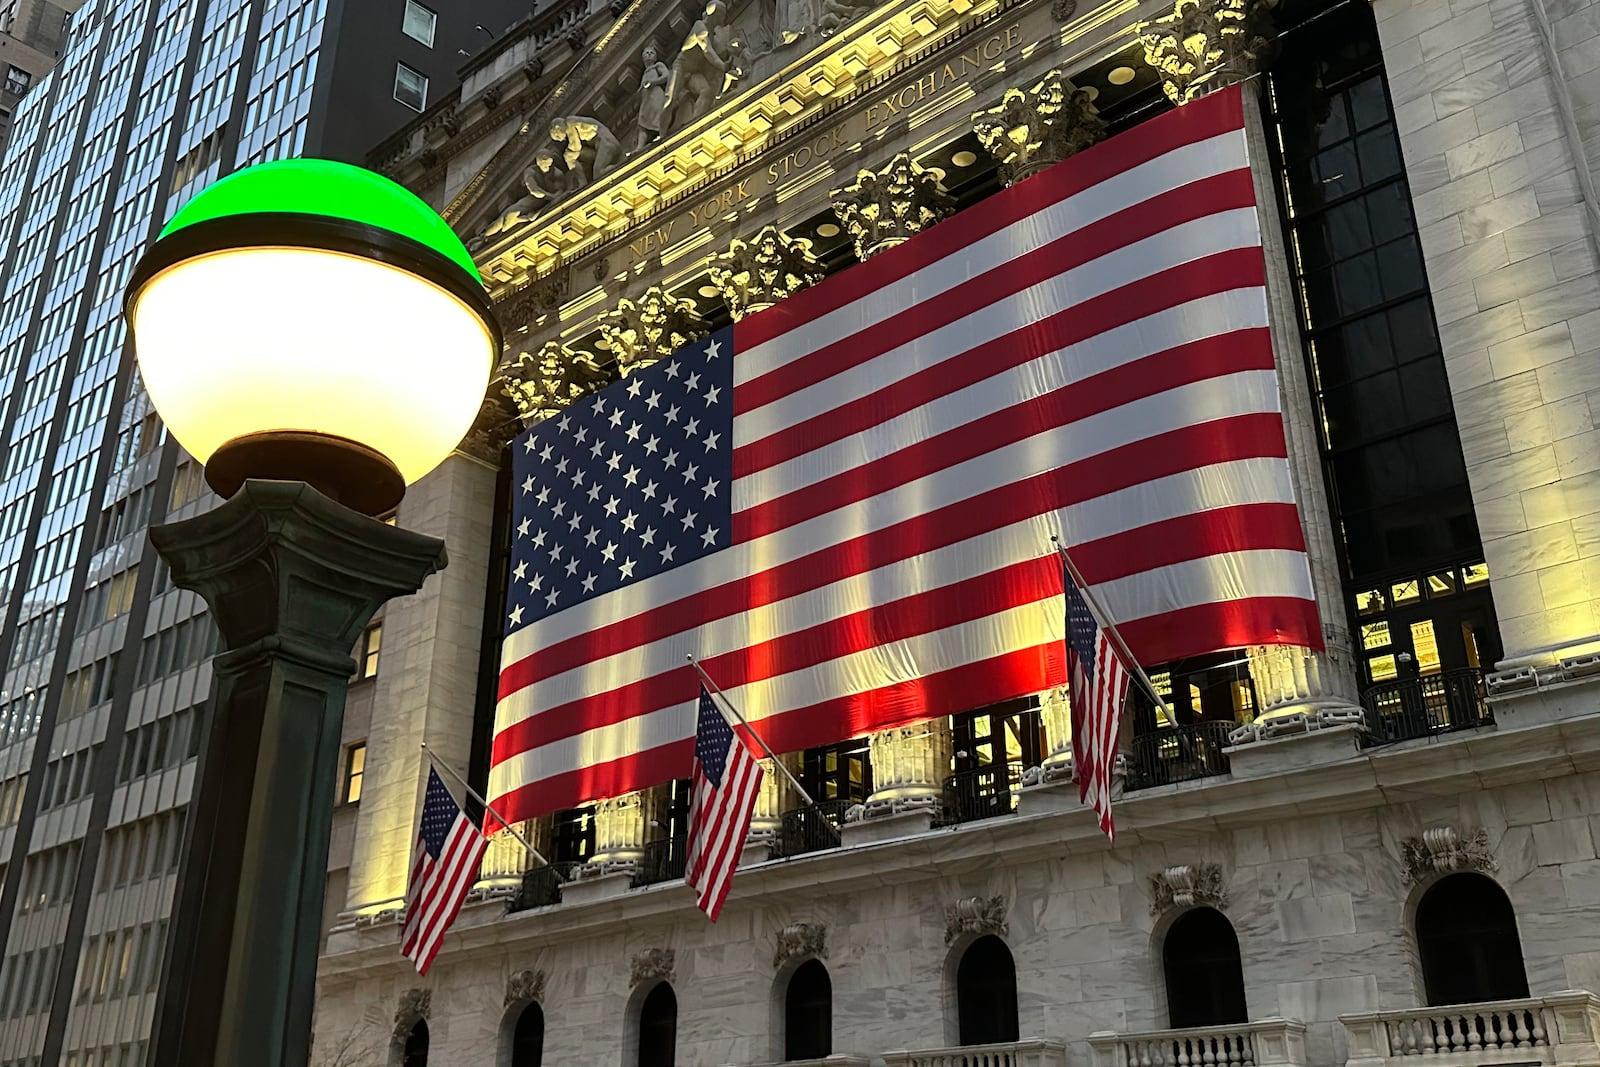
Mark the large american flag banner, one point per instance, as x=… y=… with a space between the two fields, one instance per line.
x=1098 y=681
x=444 y=864
x=843 y=505
x=723 y=798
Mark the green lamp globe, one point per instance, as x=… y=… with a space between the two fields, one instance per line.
x=309 y=320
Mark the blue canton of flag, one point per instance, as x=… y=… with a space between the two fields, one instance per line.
x=1081 y=628
x=623 y=485
x=712 y=740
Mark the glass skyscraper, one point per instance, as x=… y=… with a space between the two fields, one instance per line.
x=106 y=670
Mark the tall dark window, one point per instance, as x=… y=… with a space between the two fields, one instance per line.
x=1205 y=978
x=1467 y=939
x=837 y=772
x=992 y=747
x=527 y=1038
x=573 y=836
x=986 y=992
x=1392 y=455
x=808 y=1013
x=658 y=1027
x=416 y=1050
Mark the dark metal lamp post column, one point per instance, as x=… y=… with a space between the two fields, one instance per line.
x=319 y=338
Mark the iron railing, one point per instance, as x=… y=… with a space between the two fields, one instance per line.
x=664 y=861
x=810 y=829
x=1179 y=754
x=1424 y=706
x=542 y=886
x=980 y=793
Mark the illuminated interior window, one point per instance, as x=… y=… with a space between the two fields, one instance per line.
x=1375 y=635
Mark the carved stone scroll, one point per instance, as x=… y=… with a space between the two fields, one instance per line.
x=638 y=333
x=891 y=205
x=652 y=964
x=1207 y=44
x=801 y=941
x=1443 y=850
x=524 y=987
x=545 y=381
x=1029 y=131
x=754 y=275
x=414 y=1004
x=1187 y=886
x=975 y=915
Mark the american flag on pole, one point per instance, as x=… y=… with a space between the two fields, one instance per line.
x=444 y=864
x=726 y=781
x=1098 y=684
x=843 y=504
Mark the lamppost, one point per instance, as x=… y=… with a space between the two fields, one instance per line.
x=319 y=339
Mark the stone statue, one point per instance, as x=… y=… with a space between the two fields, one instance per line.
x=701 y=69
x=590 y=150
x=836 y=14
x=796 y=18
x=652 y=97
x=543 y=180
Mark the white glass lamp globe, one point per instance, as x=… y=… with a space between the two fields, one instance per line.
x=309 y=320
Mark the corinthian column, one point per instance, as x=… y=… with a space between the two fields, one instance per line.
x=891 y=205
x=909 y=766
x=1206 y=45
x=621 y=828
x=1055 y=711
x=754 y=275
x=640 y=332
x=1029 y=131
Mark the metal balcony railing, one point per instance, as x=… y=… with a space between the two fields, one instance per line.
x=1407 y=708
x=541 y=886
x=980 y=793
x=811 y=829
x=1179 y=754
x=664 y=861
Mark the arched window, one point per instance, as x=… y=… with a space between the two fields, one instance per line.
x=416 y=1052
x=986 y=992
x=658 y=1027
x=808 y=1013
x=1205 y=979
x=527 y=1038
x=1467 y=938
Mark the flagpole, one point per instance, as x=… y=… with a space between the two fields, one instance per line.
x=475 y=795
x=764 y=746
x=1106 y=624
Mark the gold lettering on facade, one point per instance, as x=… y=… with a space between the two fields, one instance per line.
x=982 y=56
x=653 y=240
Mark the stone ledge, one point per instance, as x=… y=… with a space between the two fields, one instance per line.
x=886 y=828
x=599 y=887
x=1293 y=752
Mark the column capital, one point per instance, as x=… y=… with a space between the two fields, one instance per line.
x=543 y=381
x=1207 y=44
x=891 y=205
x=1037 y=128
x=753 y=275
x=641 y=332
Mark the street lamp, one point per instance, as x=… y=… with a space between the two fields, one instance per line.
x=319 y=338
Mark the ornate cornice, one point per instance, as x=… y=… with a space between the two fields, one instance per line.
x=638 y=333
x=1207 y=44
x=754 y=275
x=524 y=987
x=891 y=205
x=1444 y=850
x=800 y=941
x=975 y=915
x=414 y=1004
x=1029 y=131
x=498 y=421
x=1187 y=886
x=652 y=964
x=544 y=296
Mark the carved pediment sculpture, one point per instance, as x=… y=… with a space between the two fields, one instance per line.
x=975 y=915
x=549 y=379
x=588 y=148
x=1207 y=44
x=414 y=1004
x=1443 y=850
x=837 y=14
x=638 y=333
x=801 y=941
x=1187 y=886
x=891 y=205
x=755 y=274
x=652 y=964
x=652 y=97
x=700 y=72
x=1029 y=131
x=524 y=987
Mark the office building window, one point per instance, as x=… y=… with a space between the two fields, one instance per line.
x=419 y=24
x=17 y=81
x=367 y=664
x=410 y=88
x=355 y=765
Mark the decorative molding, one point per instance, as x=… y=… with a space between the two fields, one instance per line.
x=414 y=1004
x=1207 y=44
x=652 y=964
x=638 y=334
x=799 y=941
x=1188 y=886
x=1063 y=10
x=524 y=986
x=975 y=915
x=1029 y=131
x=549 y=379
x=1443 y=850
x=499 y=419
x=545 y=296
x=754 y=275
x=890 y=206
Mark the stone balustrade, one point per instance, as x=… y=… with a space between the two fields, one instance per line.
x=1267 y=1043
x=1030 y=1053
x=1563 y=1028
x=838 y=1059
